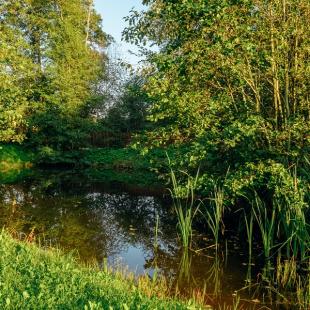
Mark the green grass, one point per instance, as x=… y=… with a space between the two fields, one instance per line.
x=121 y=159
x=214 y=214
x=33 y=278
x=184 y=205
x=14 y=162
x=103 y=158
x=121 y=165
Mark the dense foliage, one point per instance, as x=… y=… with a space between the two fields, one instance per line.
x=128 y=113
x=225 y=93
x=230 y=84
x=51 y=59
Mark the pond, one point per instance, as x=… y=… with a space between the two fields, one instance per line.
x=121 y=224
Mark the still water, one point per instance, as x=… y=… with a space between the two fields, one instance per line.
x=115 y=222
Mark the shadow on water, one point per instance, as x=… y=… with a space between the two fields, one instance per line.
x=127 y=225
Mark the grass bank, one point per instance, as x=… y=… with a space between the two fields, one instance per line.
x=33 y=278
x=121 y=165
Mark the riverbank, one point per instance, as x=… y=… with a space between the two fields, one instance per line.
x=123 y=165
x=33 y=278
x=14 y=156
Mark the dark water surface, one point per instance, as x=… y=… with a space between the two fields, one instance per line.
x=117 y=222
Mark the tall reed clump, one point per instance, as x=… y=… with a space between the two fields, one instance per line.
x=281 y=225
x=185 y=267
x=303 y=293
x=292 y=216
x=294 y=228
x=266 y=224
x=292 y=279
x=214 y=214
x=185 y=205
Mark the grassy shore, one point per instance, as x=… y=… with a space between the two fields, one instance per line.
x=122 y=165
x=33 y=278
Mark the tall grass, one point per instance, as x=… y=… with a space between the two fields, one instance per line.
x=303 y=293
x=281 y=225
x=292 y=281
x=294 y=227
x=214 y=216
x=266 y=224
x=185 y=205
x=249 y=220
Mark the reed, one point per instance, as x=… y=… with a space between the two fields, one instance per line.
x=215 y=275
x=293 y=224
x=235 y=305
x=265 y=223
x=185 y=267
x=303 y=294
x=249 y=230
x=286 y=272
x=214 y=216
x=185 y=205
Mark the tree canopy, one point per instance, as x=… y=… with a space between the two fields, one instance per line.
x=51 y=58
x=231 y=83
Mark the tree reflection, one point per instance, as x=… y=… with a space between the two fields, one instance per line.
x=101 y=221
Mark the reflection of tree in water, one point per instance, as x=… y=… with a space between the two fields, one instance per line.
x=103 y=222
x=135 y=216
x=98 y=224
x=63 y=221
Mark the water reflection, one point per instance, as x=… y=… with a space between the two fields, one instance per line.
x=107 y=221
x=125 y=225
x=97 y=223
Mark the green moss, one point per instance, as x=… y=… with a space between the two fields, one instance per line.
x=32 y=278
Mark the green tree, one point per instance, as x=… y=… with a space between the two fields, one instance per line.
x=16 y=74
x=129 y=112
x=52 y=54
x=231 y=82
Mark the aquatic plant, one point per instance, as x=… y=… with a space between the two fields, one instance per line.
x=235 y=306
x=265 y=223
x=215 y=275
x=249 y=230
x=303 y=293
x=185 y=205
x=214 y=215
x=184 y=273
x=293 y=224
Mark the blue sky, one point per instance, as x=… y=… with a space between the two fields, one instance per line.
x=112 y=12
